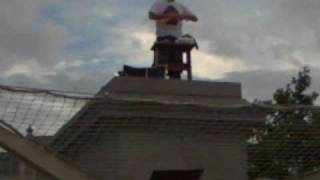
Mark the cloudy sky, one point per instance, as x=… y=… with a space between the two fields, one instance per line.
x=79 y=44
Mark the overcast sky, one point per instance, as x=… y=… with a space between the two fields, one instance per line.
x=80 y=44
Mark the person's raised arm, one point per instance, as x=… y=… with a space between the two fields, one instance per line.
x=154 y=16
x=188 y=14
x=190 y=17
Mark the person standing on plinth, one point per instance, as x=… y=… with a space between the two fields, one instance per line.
x=169 y=15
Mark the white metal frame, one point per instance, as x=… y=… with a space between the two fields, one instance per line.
x=39 y=156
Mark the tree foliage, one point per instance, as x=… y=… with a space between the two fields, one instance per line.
x=289 y=141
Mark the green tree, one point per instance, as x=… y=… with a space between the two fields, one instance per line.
x=289 y=141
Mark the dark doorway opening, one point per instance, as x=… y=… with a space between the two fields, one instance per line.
x=194 y=174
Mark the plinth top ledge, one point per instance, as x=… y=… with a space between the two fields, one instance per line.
x=137 y=85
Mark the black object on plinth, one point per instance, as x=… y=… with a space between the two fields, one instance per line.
x=174 y=64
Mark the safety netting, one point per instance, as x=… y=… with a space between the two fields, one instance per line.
x=109 y=138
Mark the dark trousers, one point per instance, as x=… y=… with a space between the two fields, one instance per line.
x=171 y=56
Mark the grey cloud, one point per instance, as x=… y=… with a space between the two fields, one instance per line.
x=262 y=84
x=25 y=36
x=265 y=35
x=86 y=84
x=60 y=82
x=259 y=32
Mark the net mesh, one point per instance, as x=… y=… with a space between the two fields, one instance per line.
x=37 y=113
x=43 y=111
x=114 y=138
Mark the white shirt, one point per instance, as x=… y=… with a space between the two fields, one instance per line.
x=173 y=28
